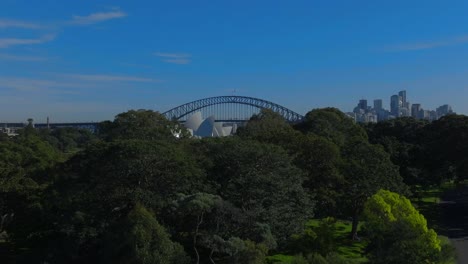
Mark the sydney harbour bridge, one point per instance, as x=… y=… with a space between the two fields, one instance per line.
x=229 y=109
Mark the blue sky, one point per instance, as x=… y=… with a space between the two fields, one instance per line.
x=89 y=60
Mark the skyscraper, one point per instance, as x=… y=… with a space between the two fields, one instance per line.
x=444 y=110
x=363 y=104
x=395 y=105
x=378 y=105
x=402 y=94
x=415 y=109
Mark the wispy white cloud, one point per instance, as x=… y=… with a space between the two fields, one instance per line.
x=40 y=107
x=136 y=65
x=8 y=42
x=174 y=58
x=97 y=17
x=70 y=83
x=8 y=23
x=173 y=55
x=178 y=61
x=39 y=85
x=429 y=44
x=12 y=57
x=108 y=78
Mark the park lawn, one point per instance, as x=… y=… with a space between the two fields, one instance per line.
x=427 y=200
x=430 y=195
x=347 y=248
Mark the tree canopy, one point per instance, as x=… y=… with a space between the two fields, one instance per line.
x=135 y=192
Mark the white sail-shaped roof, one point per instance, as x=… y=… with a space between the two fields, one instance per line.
x=206 y=128
x=194 y=121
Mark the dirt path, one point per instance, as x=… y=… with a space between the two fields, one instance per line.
x=454 y=222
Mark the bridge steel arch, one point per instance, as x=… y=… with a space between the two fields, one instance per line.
x=188 y=108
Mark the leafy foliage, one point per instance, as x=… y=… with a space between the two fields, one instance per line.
x=140 y=124
x=140 y=239
x=135 y=193
x=398 y=232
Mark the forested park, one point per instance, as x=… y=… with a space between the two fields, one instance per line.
x=325 y=190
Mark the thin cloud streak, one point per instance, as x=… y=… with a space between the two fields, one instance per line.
x=135 y=65
x=178 y=61
x=173 y=55
x=11 y=57
x=8 y=42
x=108 y=78
x=97 y=17
x=29 y=85
x=174 y=58
x=7 y=23
x=428 y=45
x=70 y=83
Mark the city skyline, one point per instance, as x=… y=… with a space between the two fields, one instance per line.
x=89 y=61
x=400 y=106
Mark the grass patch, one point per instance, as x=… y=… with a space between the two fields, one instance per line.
x=427 y=201
x=280 y=259
x=346 y=248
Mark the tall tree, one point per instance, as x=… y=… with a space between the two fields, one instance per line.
x=270 y=127
x=99 y=185
x=24 y=170
x=331 y=124
x=398 y=232
x=320 y=160
x=141 y=124
x=140 y=239
x=366 y=168
x=261 y=180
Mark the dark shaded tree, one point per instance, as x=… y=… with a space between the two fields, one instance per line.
x=140 y=239
x=261 y=180
x=366 y=169
x=331 y=124
x=141 y=124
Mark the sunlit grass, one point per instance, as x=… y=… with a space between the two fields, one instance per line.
x=346 y=248
x=280 y=259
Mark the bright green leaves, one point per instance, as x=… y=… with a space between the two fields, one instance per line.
x=398 y=233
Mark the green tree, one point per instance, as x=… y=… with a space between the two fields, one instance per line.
x=68 y=139
x=270 y=127
x=140 y=239
x=316 y=239
x=404 y=139
x=398 y=233
x=261 y=180
x=25 y=163
x=141 y=124
x=125 y=172
x=366 y=169
x=320 y=160
x=96 y=188
x=446 y=149
x=195 y=209
x=331 y=124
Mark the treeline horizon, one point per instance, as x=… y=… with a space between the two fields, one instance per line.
x=134 y=193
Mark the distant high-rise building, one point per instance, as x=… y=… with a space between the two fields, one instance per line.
x=399 y=107
x=403 y=96
x=404 y=112
x=395 y=105
x=444 y=110
x=415 y=109
x=378 y=105
x=363 y=104
x=408 y=105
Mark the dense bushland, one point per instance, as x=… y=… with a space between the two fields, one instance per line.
x=133 y=193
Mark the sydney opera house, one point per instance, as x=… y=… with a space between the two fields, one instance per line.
x=208 y=127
